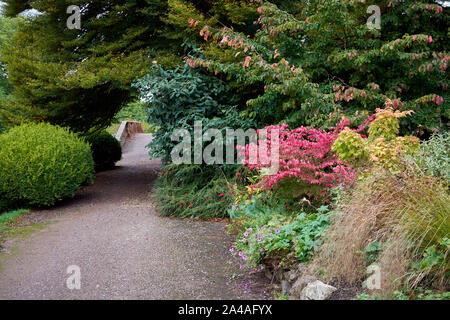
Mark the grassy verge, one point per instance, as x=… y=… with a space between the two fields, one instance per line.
x=12 y=226
x=9 y=218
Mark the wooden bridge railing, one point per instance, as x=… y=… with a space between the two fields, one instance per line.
x=127 y=130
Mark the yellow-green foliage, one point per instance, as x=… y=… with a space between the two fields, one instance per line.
x=40 y=163
x=350 y=146
x=385 y=124
x=383 y=148
x=387 y=153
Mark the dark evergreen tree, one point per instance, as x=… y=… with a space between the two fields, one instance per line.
x=79 y=78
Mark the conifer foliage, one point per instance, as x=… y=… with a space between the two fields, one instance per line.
x=78 y=78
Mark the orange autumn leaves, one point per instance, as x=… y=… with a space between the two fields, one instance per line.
x=206 y=34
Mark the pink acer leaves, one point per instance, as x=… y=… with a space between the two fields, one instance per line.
x=437 y=99
x=246 y=62
x=304 y=155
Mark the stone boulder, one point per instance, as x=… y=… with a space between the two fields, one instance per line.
x=317 y=290
x=298 y=286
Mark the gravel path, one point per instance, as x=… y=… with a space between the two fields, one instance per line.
x=123 y=248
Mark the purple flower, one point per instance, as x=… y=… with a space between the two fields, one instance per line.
x=244 y=257
x=231 y=249
x=240 y=253
x=250 y=229
x=262 y=249
x=259 y=239
x=270 y=234
x=245 y=234
x=277 y=231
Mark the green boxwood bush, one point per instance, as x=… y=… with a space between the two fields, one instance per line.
x=106 y=150
x=40 y=163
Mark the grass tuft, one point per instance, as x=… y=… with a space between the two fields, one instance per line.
x=189 y=191
x=407 y=216
x=10 y=217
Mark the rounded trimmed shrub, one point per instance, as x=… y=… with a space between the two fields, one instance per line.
x=106 y=150
x=40 y=163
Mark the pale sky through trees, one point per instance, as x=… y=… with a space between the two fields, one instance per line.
x=32 y=12
x=25 y=13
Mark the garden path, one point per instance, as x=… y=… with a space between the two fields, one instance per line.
x=124 y=250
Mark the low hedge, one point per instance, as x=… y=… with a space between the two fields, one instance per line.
x=40 y=163
x=106 y=150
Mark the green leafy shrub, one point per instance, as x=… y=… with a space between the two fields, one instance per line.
x=382 y=148
x=106 y=150
x=280 y=238
x=350 y=146
x=314 y=61
x=373 y=251
x=40 y=163
x=386 y=124
x=177 y=98
x=434 y=156
x=400 y=295
x=254 y=212
x=434 y=257
x=430 y=295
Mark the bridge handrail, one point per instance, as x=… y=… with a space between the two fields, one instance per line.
x=127 y=130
